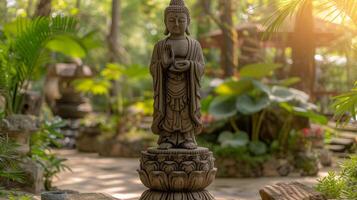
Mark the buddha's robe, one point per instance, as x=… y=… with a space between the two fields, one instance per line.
x=177 y=95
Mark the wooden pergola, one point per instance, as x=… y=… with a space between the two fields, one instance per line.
x=325 y=33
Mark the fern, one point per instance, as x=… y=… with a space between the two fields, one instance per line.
x=24 y=51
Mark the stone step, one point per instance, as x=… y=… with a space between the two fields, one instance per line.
x=348 y=135
x=341 y=154
x=336 y=148
x=342 y=141
x=348 y=127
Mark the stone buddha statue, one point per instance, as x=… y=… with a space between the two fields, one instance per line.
x=177 y=65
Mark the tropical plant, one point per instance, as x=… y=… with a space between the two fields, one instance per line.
x=41 y=143
x=9 y=161
x=250 y=98
x=130 y=79
x=24 y=51
x=342 y=185
x=346 y=104
x=327 y=8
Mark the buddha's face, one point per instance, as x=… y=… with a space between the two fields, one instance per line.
x=176 y=23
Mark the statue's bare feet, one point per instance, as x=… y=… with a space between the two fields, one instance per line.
x=189 y=145
x=165 y=145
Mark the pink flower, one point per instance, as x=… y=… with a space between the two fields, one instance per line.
x=306 y=132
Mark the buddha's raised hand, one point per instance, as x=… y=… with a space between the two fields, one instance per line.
x=169 y=56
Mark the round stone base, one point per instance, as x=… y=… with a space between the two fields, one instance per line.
x=155 y=195
x=177 y=170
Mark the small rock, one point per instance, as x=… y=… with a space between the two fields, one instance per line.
x=325 y=157
x=285 y=191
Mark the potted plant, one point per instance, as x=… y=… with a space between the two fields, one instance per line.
x=255 y=117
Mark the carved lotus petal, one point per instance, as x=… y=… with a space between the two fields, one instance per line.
x=204 y=165
x=188 y=166
x=197 y=179
x=144 y=178
x=151 y=166
x=161 y=158
x=168 y=166
x=178 y=180
x=158 y=180
x=210 y=176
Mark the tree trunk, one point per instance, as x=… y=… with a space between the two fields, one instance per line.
x=230 y=38
x=3 y=12
x=113 y=37
x=43 y=8
x=203 y=22
x=78 y=4
x=303 y=48
x=29 y=8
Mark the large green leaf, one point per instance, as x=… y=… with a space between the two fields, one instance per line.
x=289 y=81
x=257 y=148
x=261 y=86
x=223 y=107
x=206 y=102
x=313 y=116
x=234 y=87
x=281 y=94
x=259 y=70
x=238 y=139
x=91 y=40
x=67 y=45
x=248 y=105
x=302 y=112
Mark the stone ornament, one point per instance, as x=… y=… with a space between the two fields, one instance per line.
x=177 y=66
x=177 y=169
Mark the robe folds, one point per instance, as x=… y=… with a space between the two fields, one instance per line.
x=193 y=76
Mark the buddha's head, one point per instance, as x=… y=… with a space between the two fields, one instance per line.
x=177 y=18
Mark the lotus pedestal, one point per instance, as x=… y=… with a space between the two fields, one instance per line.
x=177 y=174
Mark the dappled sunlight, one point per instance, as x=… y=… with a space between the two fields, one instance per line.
x=118 y=178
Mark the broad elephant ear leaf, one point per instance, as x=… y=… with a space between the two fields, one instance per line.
x=281 y=94
x=248 y=105
x=258 y=71
x=238 y=139
x=223 y=107
x=67 y=45
x=257 y=148
x=234 y=87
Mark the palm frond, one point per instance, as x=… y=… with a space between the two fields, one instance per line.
x=331 y=8
x=286 y=9
x=345 y=104
x=26 y=52
x=349 y=7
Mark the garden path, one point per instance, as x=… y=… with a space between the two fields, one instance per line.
x=118 y=177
